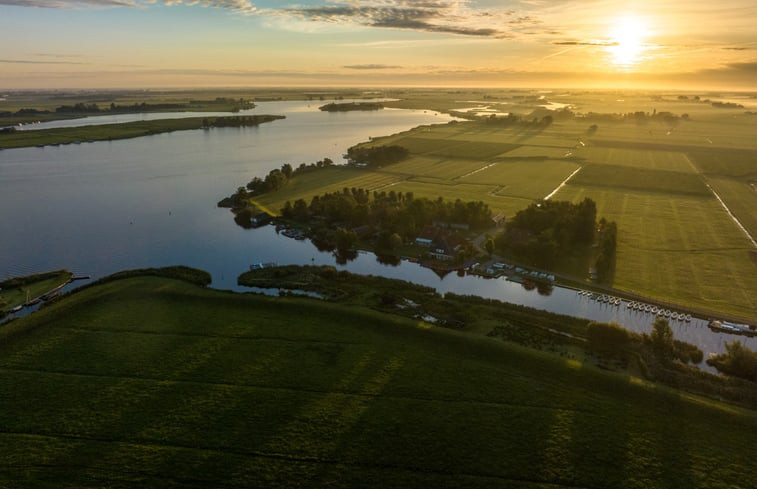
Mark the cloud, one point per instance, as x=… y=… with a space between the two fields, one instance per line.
x=372 y=67
x=33 y=62
x=750 y=67
x=442 y=16
x=585 y=43
x=736 y=48
x=68 y=3
x=242 y=6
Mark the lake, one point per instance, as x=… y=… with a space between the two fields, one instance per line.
x=98 y=208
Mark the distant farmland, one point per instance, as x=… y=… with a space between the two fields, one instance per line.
x=676 y=242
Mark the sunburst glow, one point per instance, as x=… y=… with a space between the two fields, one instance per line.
x=628 y=41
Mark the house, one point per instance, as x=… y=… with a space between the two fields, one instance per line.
x=427 y=236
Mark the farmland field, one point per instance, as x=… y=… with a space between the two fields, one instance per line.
x=650 y=160
x=684 y=250
x=741 y=199
x=151 y=382
x=532 y=179
x=629 y=178
x=676 y=241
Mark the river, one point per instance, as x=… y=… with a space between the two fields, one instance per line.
x=98 y=208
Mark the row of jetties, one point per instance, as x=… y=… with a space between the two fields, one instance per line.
x=637 y=306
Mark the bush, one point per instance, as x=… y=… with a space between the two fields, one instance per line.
x=738 y=361
x=608 y=338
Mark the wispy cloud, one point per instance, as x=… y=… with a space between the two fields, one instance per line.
x=35 y=62
x=372 y=67
x=458 y=17
x=585 y=43
x=68 y=3
x=242 y=6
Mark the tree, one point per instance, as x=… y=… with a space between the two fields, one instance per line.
x=608 y=338
x=489 y=245
x=738 y=361
x=662 y=338
x=395 y=241
x=345 y=239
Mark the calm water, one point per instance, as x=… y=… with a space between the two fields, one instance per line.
x=102 y=207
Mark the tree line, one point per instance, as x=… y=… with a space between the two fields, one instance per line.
x=541 y=232
x=392 y=217
x=377 y=156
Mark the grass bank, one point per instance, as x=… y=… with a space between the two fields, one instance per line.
x=18 y=291
x=152 y=382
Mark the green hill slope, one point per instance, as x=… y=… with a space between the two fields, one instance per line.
x=151 y=382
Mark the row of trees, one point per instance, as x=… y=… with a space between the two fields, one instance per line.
x=538 y=233
x=348 y=106
x=612 y=340
x=377 y=156
x=389 y=212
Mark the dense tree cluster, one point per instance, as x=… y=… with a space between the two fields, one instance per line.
x=393 y=216
x=538 y=233
x=345 y=107
x=607 y=338
x=377 y=156
x=278 y=177
x=738 y=361
x=238 y=120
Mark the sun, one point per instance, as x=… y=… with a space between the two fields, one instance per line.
x=627 y=41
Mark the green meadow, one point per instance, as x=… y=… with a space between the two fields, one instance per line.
x=151 y=382
x=16 y=294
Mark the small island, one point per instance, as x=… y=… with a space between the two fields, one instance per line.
x=12 y=138
x=350 y=106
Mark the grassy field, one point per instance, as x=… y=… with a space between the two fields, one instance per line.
x=741 y=199
x=16 y=296
x=642 y=159
x=635 y=178
x=684 y=249
x=467 y=161
x=107 y=132
x=149 y=382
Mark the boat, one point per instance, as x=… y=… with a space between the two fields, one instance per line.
x=733 y=328
x=688 y=318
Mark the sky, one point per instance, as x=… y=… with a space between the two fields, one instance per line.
x=374 y=43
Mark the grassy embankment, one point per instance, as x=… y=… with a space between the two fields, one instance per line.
x=676 y=243
x=16 y=292
x=149 y=382
x=108 y=132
